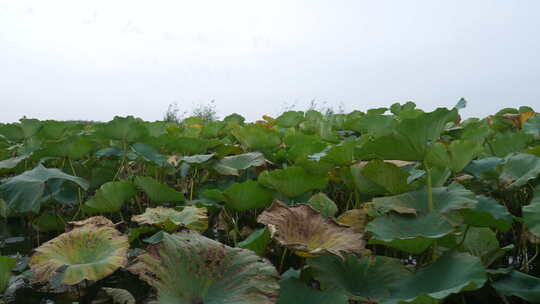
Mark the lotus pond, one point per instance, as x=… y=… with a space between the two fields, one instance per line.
x=393 y=205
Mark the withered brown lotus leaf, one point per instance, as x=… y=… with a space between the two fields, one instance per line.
x=309 y=234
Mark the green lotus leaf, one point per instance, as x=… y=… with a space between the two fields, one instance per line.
x=489 y=213
x=24 y=192
x=12 y=131
x=445 y=199
x=189 y=268
x=294 y=291
x=290 y=119
x=231 y=165
x=462 y=272
x=247 y=196
x=158 y=192
x=481 y=242
x=149 y=154
x=48 y=222
x=341 y=154
x=75 y=147
x=387 y=177
x=455 y=155
x=111 y=196
x=410 y=137
x=323 y=204
x=409 y=229
x=532 y=126
x=375 y=125
x=170 y=219
x=518 y=169
x=520 y=285
x=53 y=130
x=485 y=168
x=256 y=137
x=11 y=163
x=187 y=145
x=303 y=145
x=127 y=129
x=6 y=264
x=292 y=181
x=509 y=142
x=367 y=278
x=257 y=241
x=30 y=127
x=88 y=252
x=531 y=213
x=234 y=118
x=305 y=231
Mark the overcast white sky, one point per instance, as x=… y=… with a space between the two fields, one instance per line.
x=97 y=59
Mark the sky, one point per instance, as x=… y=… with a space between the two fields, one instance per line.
x=92 y=60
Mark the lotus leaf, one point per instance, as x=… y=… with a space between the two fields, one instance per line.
x=294 y=291
x=127 y=129
x=445 y=199
x=257 y=241
x=386 y=176
x=6 y=264
x=292 y=181
x=412 y=233
x=88 y=252
x=12 y=162
x=509 y=142
x=518 y=169
x=24 y=192
x=531 y=213
x=323 y=204
x=170 y=219
x=149 y=154
x=158 y=192
x=520 y=285
x=247 y=195
x=290 y=119
x=367 y=278
x=111 y=196
x=410 y=138
x=256 y=137
x=304 y=230
x=189 y=268
x=355 y=218
x=231 y=165
x=462 y=272
x=455 y=155
x=532 y=126
x=489 y=213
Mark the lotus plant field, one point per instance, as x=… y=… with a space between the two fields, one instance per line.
x=393 y=205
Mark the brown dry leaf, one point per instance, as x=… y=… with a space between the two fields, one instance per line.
x=355 y=218
x=305 y=231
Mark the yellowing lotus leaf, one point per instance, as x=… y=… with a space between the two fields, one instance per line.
x=355 y=218
x=88 y=252
x=188 y=268
x=170 y=219
x=305 y=231
x=99 y=221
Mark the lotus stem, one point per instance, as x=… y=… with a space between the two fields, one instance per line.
x=429 y=188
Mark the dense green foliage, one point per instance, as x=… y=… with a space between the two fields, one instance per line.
x=394 y=205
